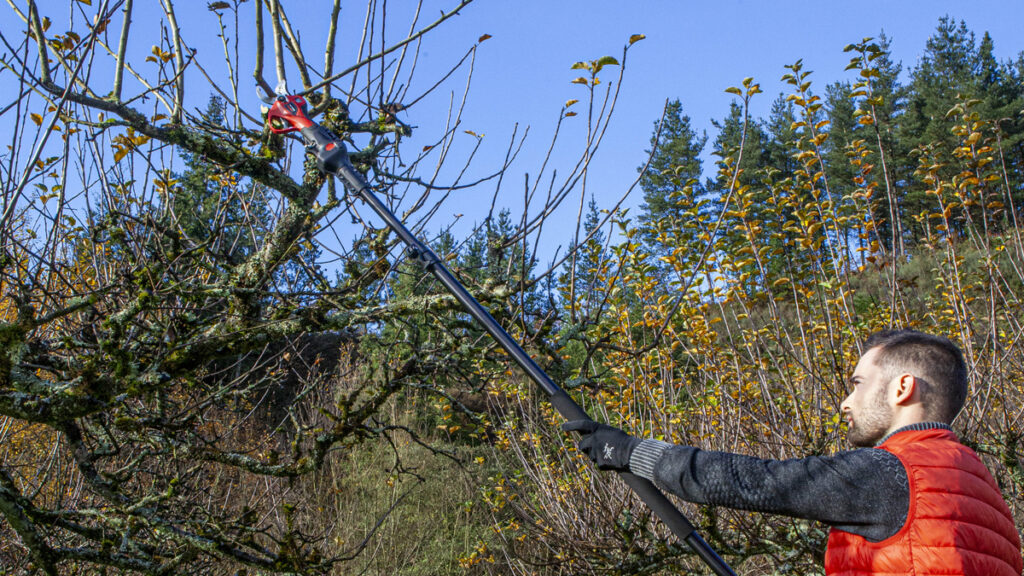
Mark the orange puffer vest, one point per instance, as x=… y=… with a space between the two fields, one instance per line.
x=957 y=524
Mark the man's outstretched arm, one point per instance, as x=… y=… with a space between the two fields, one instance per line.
x=862 y=491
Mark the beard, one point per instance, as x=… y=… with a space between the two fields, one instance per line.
x=872 y=423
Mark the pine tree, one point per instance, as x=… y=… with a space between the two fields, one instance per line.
x=954 y=71
x=210 y=207
x=727 y=144
x=843 y=128
x=1001 y=93
x=946 y=71
x=894 y=165
x=674 y=165
x=586 y=286
x=779 y=146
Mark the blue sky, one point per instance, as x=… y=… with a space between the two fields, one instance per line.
x=693 y=51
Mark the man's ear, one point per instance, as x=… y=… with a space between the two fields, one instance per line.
x=905 y=386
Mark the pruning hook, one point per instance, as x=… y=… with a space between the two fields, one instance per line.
x=286 y=113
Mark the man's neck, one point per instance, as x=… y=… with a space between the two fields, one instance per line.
x=915 y=426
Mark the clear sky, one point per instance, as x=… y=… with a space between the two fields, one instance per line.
x=693 y=51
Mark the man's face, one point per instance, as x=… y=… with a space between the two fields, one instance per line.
x=866 y=410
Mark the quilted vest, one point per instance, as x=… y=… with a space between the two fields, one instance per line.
x=957 y=524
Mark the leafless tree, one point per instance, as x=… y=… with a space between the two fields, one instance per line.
x=158 y=313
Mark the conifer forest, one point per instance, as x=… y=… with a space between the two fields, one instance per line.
x=214 y=361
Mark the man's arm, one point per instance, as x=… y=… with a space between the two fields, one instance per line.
x=862 y=491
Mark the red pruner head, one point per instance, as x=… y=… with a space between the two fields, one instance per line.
x=288 y=114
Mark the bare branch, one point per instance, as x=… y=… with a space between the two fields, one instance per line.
x=122 y=49
x=444 y=17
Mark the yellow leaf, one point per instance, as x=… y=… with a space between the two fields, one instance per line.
x=37 y=119
x=636 y=38
x=86 y=2
x=568 y=114
x=570 y=102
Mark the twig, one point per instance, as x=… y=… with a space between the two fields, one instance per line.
x=385 y=52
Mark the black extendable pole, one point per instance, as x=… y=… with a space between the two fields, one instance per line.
x=565 y=405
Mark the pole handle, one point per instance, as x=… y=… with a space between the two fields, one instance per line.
x=333 y=158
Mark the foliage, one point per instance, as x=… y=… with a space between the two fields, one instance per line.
x=174 y=355
x=195 y=377
x=812 y=240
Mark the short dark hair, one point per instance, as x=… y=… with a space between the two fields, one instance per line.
x=934 y=359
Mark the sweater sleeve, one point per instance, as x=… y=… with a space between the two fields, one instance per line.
x=861 y=491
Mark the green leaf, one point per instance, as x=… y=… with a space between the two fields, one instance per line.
x=733 y=90
x=607 y=61
x=580 y=66
x=636 y=38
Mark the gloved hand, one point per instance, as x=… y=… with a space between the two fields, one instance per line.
x=608 y=447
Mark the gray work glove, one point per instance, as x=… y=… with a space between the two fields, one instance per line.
x=608 y=447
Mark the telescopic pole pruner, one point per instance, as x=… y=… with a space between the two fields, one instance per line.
x=288 y=114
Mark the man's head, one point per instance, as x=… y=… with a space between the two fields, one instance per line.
x=903 y=377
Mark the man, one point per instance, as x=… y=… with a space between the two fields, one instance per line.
x=910 y=500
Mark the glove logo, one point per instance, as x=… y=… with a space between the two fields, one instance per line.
x=608 y=449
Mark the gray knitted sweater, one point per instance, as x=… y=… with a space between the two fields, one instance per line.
x=862 y=491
